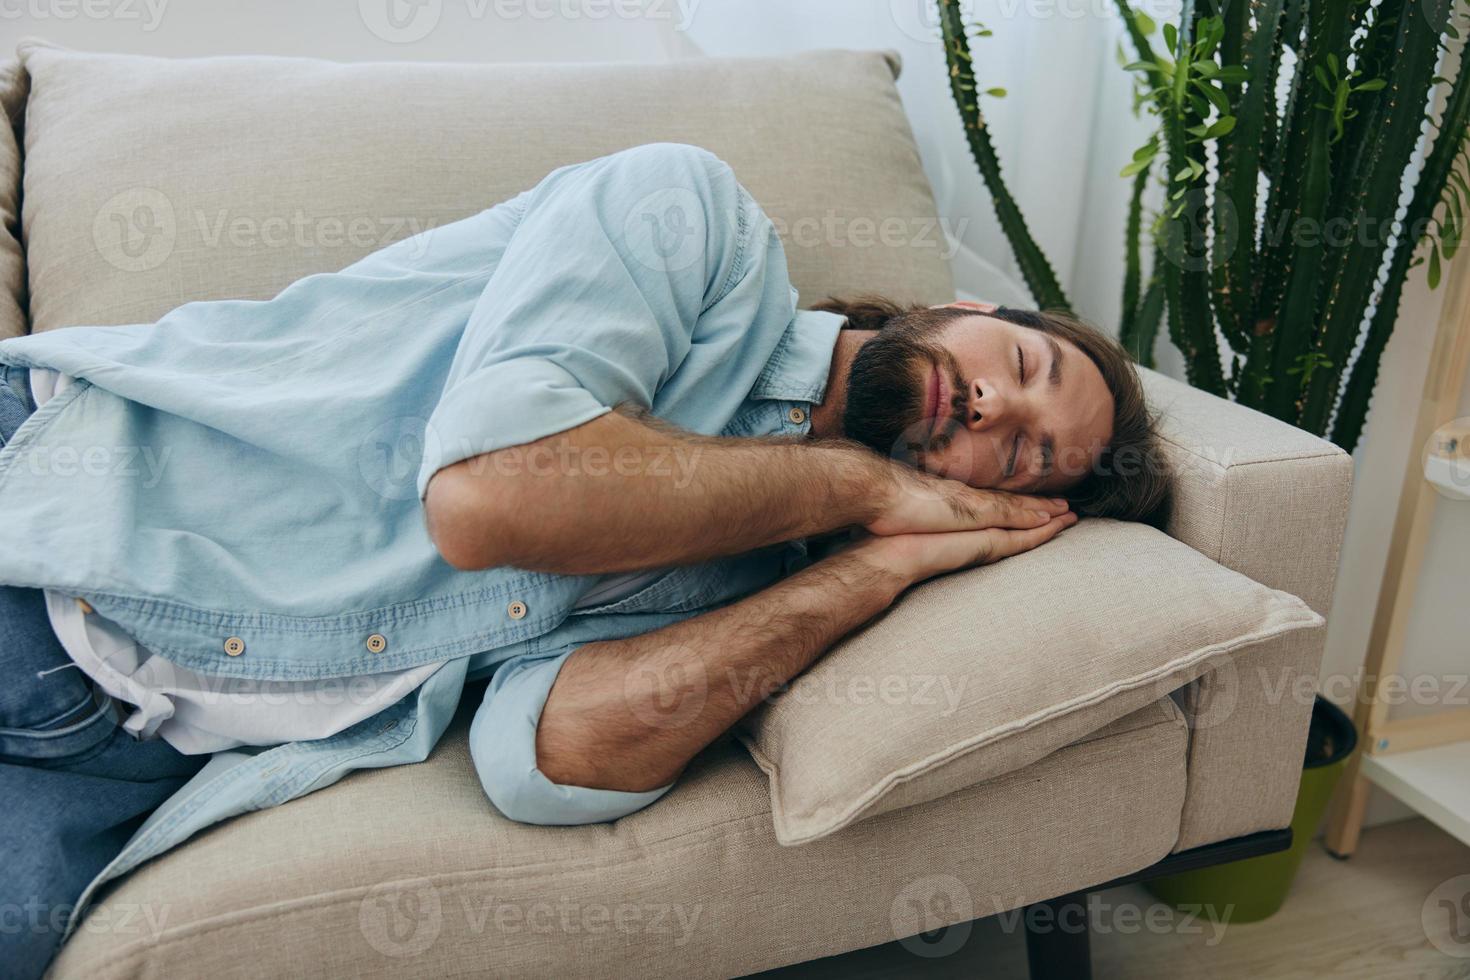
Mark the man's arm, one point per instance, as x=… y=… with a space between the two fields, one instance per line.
x=628 y=715
x=622 y=494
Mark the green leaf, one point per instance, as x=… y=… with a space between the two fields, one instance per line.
x=1459 y=181
x=1145 y=22
x=1234 y=75
x=1371 y=86
x=1433 y=266
x=1135 y=167
x=1451 y=227
x=997 y=92
x=1221 y=126
x=1206 y=68
x=1217 y=96
x=1171 y=37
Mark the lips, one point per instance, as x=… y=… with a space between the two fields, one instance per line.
x=936 y=400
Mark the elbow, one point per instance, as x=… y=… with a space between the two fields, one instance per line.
x=466 y=522
x=524 y=791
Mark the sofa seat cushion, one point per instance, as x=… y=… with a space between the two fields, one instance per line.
x=980 y=673
x=150 y=182
x=409 y=872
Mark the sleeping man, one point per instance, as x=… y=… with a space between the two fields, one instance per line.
x=575 y=444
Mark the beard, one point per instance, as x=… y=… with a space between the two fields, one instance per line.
x=887 y=388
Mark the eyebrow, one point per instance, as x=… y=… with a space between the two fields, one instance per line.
x=1054 y=380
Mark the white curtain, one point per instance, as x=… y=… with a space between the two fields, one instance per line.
x=1063 y=130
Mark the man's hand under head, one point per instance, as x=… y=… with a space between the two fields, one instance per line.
x=623 y=493
x=921 y=503
x=916 y=557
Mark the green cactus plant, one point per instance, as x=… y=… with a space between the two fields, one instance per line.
x=1281 y=250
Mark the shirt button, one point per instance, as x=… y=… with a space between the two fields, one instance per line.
x=796 y=415
x=516 y=610
x=377 y=643
x=234 y=646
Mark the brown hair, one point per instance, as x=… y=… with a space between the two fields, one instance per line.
x=1130 y=480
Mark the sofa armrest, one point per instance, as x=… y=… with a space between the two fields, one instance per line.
x=1270 y=501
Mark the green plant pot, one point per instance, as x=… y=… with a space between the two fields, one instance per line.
x=1254 y=889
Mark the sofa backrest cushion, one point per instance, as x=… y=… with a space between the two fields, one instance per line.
x=12 y=262
x=150 y=182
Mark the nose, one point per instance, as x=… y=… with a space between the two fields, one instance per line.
x=986 y=405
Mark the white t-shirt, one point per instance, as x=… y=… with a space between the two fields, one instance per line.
x=198 y=713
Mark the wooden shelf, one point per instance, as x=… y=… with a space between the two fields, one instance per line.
x=1433 y=781
x=1417 y=760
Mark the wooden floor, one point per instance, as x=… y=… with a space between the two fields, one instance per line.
x=1361 y=919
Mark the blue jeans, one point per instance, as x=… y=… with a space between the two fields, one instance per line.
x=75 y=785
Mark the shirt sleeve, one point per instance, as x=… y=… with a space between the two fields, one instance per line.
x=503 y=748
x=597 y=298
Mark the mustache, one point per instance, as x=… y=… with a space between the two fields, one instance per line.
x=887 y=399
x=950 y=417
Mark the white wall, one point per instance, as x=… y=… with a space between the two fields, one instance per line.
x=1062 y=133
x=357 y=30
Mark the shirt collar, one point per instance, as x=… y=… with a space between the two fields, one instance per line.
x=798 y=368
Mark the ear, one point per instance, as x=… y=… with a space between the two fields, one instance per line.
x=965 y=304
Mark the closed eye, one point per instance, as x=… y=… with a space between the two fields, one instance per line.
x=1020 y=364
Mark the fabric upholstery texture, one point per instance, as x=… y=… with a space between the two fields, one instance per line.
x=230 y=178
x=13 y=84
x=1269 y=501
x=983 y=672
x=407 y=873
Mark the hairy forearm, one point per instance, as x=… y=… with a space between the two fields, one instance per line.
x=629 y=714
x=622 y=494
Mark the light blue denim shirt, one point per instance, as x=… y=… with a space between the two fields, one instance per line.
x=239 y=485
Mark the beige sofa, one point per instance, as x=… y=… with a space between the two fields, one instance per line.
x=233 y=177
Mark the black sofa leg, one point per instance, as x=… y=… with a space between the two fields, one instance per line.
x=1057 y=945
